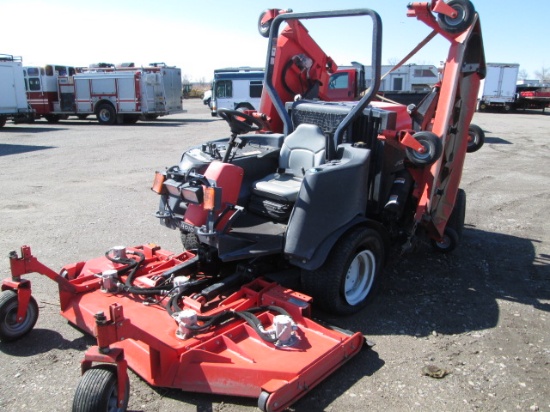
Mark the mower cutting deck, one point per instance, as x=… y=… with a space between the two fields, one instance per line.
x=179 y=328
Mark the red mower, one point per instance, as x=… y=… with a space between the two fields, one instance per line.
x=307 y=193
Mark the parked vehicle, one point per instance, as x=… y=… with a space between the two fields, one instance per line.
x=114 y=94
x=532 y=95
x=207 y=98
x=13 y=99
x=237 y=88
x=498 y=90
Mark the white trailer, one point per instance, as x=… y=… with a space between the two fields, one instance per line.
x=13 y=98
x=498 y=89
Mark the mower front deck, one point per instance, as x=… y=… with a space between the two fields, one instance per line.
x=231 y=357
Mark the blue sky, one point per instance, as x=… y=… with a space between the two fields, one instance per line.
x=202 y=36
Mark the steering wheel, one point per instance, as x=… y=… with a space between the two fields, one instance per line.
x=239 y=122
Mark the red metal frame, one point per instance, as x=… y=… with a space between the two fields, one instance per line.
x=228 y=359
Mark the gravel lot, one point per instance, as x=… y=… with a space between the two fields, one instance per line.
x=74 y=189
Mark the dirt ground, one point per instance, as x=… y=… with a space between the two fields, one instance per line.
x=74 y=189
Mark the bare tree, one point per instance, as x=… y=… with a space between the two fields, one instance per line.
x=543 y=74
x=393 y=61
x=523 y=74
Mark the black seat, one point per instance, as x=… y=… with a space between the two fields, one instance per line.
x=301 y=150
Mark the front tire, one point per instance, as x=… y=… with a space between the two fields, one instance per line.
x=98 y=390
x=10 y=329
x=349 y=278
x=189 y=240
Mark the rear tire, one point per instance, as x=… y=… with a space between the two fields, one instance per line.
x=97 y=391
x=130 y=118
x=349 y=278
x=10 y=329
x=106 y=114
x=52 y=118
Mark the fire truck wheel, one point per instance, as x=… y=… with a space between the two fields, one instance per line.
x=349 y=278
x=97 y=391
x=130 y=118
x=433 y=149
x=10 y=329
x=2 y=121
x=476 y=138
x=462 y=21
x=106 y=114
x=52 y=118
x=448 y=243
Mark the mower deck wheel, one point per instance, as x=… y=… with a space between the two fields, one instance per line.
x=465 y=16
x=10 y=329
x=476 y=138
x=262 y=401
x=433 y=148
x=97 y=391
x=448 y=243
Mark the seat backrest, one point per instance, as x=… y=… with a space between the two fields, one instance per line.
x=303 y=149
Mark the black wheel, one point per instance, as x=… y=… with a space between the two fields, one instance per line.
x=130 y=118
x=432 y=145
x=465 y=16
x=349 y=278
x=239 y=122
x=106 y=114
x=52 y=118
x=458 y=215
x=448 y=243
x=264 y=28
x=97 y=391
x=476 y=138
x=10 y=329
x=190 y=241
x=2 y=121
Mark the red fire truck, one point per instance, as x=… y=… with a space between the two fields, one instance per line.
x=113 y=94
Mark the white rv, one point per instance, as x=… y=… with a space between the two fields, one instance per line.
x=237 y=88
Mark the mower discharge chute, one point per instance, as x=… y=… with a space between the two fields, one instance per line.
x=318 y=199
